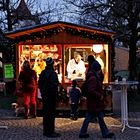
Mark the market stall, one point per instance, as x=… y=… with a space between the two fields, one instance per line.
x=61 y=41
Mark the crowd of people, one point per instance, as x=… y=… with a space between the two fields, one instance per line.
x=48 y=84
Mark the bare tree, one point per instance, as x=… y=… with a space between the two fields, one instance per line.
x=7 y=11
x=121 y=16
x=44 y=12
x=49 y=12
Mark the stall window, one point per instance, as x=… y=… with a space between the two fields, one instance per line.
x=84 y=51
x=37 y=55
x=70 y=52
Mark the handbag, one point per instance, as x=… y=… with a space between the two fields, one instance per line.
x=19 y=92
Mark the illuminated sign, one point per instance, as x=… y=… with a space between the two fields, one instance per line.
x=8 y=71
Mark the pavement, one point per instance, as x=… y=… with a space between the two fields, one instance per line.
x=32 y=129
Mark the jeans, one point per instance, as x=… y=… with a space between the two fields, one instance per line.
x=74 y=108
x=89 y=117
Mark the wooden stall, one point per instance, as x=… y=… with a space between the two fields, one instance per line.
x=61 y=40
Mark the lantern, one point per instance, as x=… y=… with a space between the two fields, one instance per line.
x=97 y=48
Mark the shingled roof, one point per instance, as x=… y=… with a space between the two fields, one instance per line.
x=22 y=12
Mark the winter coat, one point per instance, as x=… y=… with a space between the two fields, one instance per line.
x=75 y=94
x=95 y=93
x=28 y=80
x=48 y=83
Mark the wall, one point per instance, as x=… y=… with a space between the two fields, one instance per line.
x=121 y=58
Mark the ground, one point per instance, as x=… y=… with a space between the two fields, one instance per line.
x=5 y=101
x=133 y=101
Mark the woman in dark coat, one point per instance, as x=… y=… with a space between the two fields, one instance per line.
x=28 y=80
x=95 y=104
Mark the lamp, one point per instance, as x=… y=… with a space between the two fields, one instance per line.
x=37 y=52
x=97 y=48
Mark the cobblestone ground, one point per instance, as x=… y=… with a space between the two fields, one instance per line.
x=31 y=129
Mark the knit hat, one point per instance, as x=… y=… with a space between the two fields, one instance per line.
x=49 y=61
x=95 y=66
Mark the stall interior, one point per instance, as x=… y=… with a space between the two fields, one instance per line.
x=37 y=55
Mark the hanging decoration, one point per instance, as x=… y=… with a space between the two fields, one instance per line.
x=73 y=31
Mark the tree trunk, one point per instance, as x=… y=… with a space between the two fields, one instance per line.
x=8 y=16
x=132 y=56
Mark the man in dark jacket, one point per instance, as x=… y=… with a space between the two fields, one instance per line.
x=48 y=85
x=95 y=104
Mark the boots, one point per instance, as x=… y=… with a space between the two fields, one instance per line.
x=26 y=114
x=33 y=111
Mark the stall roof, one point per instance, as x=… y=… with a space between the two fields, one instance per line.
x=50 y=26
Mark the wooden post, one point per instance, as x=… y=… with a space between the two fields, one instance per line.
x=63 y=64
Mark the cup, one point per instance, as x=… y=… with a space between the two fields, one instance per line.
x=116 y=81
x=124 y=79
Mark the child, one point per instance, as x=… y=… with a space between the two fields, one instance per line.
x=75 y=94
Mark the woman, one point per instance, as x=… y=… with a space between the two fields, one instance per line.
x=28 y=80
x=91 y=60
x=95 y=104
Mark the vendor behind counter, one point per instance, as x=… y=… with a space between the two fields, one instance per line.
x=76 y=68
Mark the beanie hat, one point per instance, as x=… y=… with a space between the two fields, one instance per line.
x=95 y=66
x=49 y=61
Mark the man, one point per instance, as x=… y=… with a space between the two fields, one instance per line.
x=76 y=67
x=48 y=85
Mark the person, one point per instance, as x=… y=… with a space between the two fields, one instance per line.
x=48 y=84
x=28 y=80
x=76 y=67
x=95 y=104
x=39 y=65
x=99 y=59
x=74 y=96
x=90 y=60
